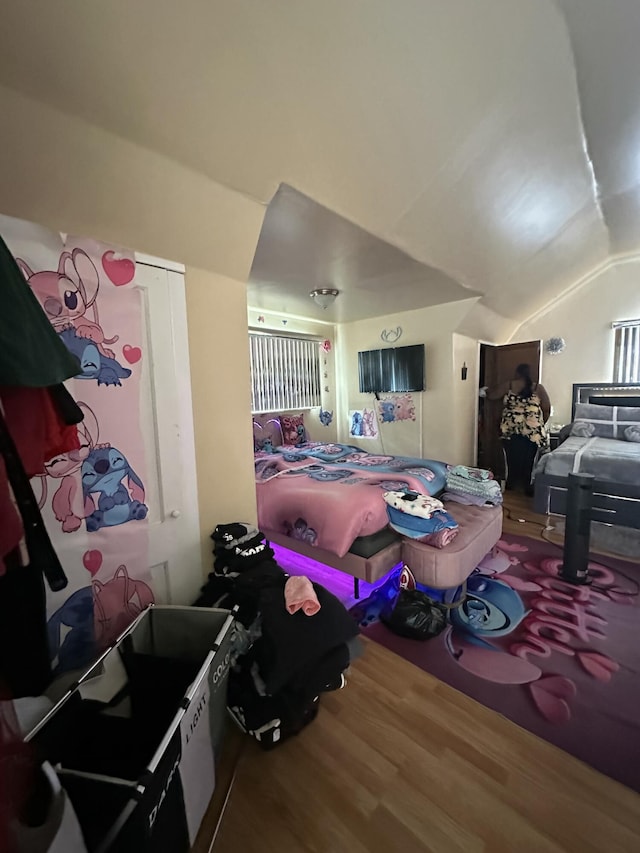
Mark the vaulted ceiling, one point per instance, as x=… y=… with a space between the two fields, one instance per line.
x=496 y=142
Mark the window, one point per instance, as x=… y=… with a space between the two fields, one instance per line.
x=627 y=351
x=285 y=373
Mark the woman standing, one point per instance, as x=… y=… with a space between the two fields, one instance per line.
x=526 y=409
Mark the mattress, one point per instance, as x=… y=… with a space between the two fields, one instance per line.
x=606 y=458
x=329 y=495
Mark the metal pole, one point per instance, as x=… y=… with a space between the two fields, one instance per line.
x=578 y=528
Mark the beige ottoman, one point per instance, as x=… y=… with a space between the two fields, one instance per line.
x=445 y=568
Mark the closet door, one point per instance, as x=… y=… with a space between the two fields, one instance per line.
x=167 y=426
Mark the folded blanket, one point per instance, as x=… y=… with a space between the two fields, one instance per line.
x=412 y=503
x=416 y=527
x=484 y=488
x=440 y=539
x=473 y=500
x=471 y=473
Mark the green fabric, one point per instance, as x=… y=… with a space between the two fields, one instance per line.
x=31 y=353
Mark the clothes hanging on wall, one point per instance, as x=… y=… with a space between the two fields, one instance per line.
x=37 y=422
x=38 y=429
x=25 y=666
x=36 y=545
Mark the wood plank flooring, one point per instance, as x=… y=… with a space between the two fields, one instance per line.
x=399 y=761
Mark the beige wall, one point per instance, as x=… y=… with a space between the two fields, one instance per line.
x=219 y=354
x=465 y=351
x=70 y=176
x=432 y=433
x=583 y=319
x=483 y=324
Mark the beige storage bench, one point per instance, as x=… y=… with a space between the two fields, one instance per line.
x=445 y=568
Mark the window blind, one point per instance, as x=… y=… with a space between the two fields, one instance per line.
x=285 y=373
x=627 y=351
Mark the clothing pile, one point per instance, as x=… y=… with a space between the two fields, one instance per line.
x=420 y=517
x=293 y=639
x=472 y=486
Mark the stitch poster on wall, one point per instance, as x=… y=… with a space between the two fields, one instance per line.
x=93 y=500
x=363 y=424
x=397 y=407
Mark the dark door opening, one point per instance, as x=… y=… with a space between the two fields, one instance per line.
x=497 y=365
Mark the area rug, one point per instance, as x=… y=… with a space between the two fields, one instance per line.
x=559 y=660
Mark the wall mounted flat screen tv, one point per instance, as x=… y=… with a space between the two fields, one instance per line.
x=392 y=369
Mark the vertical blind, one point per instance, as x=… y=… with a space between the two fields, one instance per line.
x=627 y=351
x=285 y=373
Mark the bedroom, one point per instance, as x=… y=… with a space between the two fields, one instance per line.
x=457 y=169
x=302 y=245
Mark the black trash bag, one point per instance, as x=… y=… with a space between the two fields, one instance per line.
x=415 y=615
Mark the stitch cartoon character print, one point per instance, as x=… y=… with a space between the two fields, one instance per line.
x=108 y=501
x=68 y=297
x=67 y=502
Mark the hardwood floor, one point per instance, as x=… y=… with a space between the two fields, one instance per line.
x=399 y=761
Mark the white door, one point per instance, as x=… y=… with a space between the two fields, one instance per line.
x=167 y=417
x=122 y=511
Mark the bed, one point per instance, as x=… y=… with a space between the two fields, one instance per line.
x=325 y=501
x=606 y=418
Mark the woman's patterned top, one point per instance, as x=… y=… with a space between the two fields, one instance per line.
x=523 y=416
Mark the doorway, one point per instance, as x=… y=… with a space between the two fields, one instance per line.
x=497 y=365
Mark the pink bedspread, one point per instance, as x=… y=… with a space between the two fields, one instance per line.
x=329 y=504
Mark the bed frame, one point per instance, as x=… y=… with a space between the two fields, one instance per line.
x=369 y=569
x=612 y=503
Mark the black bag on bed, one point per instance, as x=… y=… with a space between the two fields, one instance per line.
x=415 y=615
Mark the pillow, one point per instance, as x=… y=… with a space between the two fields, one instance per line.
x=583 y=429
x=604 y=421
x=266 y=428
x=632 y=433
x=293 y=431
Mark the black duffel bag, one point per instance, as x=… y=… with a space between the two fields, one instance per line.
x=415 y=615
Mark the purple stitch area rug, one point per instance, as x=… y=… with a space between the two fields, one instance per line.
x=559 y=660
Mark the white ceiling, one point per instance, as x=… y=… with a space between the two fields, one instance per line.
x=495 y=141
x=303 y=246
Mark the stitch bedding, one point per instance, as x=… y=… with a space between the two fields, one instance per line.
x=330 y=494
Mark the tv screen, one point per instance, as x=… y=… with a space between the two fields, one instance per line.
x=391 y=370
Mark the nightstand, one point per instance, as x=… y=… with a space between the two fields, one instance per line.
x=554 y=438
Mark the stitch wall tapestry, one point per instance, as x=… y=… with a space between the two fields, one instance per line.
x=363 y=423
x=397 y=407
x=93 y=499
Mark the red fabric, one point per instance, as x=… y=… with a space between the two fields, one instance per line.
x=39 y=434
x=36 y=427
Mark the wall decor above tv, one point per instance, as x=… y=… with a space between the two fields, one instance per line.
x=391 y=370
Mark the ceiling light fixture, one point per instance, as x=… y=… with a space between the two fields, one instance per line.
x=324 y=297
